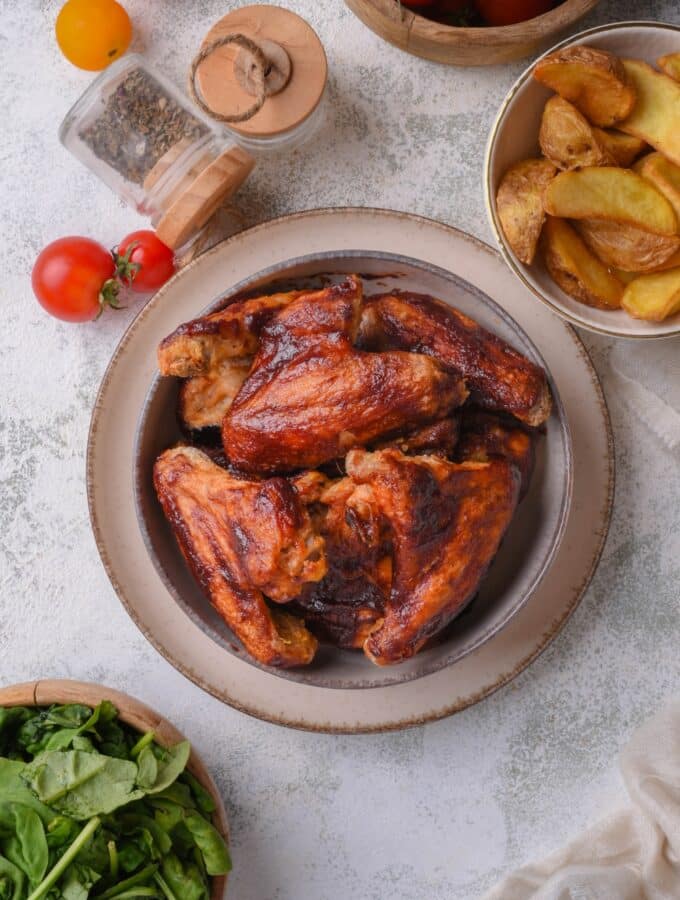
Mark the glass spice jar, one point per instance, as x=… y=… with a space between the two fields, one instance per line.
x=137 y=132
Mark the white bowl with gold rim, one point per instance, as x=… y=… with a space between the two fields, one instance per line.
x=514 y=137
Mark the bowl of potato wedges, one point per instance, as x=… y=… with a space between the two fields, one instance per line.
x=583 y=179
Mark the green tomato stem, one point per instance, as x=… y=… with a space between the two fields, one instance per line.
x=62 y=864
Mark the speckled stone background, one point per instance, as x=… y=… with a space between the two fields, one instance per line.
x=436 y=813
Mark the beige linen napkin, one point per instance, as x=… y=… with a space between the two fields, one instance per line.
x=633 y=854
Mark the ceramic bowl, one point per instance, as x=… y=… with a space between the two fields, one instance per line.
x=487 y=46
x=133 y=713
x=514 y=136
x=527 y=550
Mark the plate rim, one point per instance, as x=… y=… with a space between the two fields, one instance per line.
x=488 y=187
x=546 y=638
x=567 y=485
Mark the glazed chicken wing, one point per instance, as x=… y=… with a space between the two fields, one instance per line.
x=446 y=522
x=311 y=395
x=204 y=399
x=200 y=346
x=485 y=436
x=498 y=376
x=346 y=604
x=242 y=540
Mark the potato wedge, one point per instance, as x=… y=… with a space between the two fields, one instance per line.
x=576 y=269
x=623 y=149
x=593 y=80
x=664 y=175
x=656 y=116
x=567 y=138
x=653 y=297
x=519 y=202
x=627 y=247
x=670 y=64
x=608 y=192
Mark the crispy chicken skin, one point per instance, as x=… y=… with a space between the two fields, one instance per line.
x=446 y=522
x=198 y=347
x=485 y=436
x=204 y=399
x=438 y=439
x=243 y=539
x=311 y=395
x=346 y=604
x=498 y=376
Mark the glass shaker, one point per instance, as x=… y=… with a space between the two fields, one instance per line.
x=144 y=139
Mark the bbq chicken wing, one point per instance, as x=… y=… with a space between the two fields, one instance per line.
x=346 y=604
x=485 y=436
x=204 y=399
x=311 y=395
x=446 y=522
x=498 y=376
x=200 y=346
x=244 y=539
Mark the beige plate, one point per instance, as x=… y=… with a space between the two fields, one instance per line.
x=514 y=136
x=134 y=713
x=111 y=466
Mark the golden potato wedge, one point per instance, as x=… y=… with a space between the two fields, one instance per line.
x=611 y=193
x=623 y=149
x=627 y=247
x=519 y=202
x=576 y=269
x=664 y=175
x=593 y=80
x=656 y=116
x=567 y=138
x=653 y=297
x=670 y=64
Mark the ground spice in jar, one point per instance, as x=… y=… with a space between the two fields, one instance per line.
x=140 y=122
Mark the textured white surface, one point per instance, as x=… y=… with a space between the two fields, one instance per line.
x=436 y=813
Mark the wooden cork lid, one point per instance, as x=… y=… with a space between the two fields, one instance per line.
x=295 y=80
x=200 y=194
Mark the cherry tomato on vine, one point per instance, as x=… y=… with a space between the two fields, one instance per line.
x=509 y=12
x=144 y=263
x=92 y=33
x=73 y=279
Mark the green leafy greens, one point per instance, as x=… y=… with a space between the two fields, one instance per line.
x=91 y=809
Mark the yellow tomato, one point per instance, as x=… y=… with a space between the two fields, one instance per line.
x=92 y=33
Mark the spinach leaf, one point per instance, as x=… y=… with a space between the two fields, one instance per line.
x=36 y=733
x=148 y=769
x=23 y=841
x=11 y=719
x=82 y=785
x=167 y=813
x=170 y=765
x=176 y=793
x=143 y=877
x=210 y=842
x=14 y=790
x=203 y=799
x=77 y=882
x=61 y=831
x=185 y=881
x=155 y=838
x=12 y=881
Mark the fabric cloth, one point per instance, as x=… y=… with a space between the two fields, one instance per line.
x=650 y=372
x=632 y=855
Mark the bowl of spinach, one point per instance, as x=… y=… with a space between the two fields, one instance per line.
x=102 y=798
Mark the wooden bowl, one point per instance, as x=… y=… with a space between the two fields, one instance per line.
x=466 y=46
x=133 y=713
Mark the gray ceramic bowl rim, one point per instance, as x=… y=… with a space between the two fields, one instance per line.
x=302 y=676
x=507 y=255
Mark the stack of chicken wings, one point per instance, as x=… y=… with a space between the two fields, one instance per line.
x=373 y=453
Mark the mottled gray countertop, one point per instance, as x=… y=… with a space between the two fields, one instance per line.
x=435 y=813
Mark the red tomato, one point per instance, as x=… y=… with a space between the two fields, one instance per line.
x=73 y=279
x=509 y=12
x=144 y=262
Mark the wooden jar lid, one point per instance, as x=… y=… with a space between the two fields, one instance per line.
x=191 y=206
x=220 y=81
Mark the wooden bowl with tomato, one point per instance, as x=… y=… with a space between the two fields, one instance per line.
x=470 y=32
